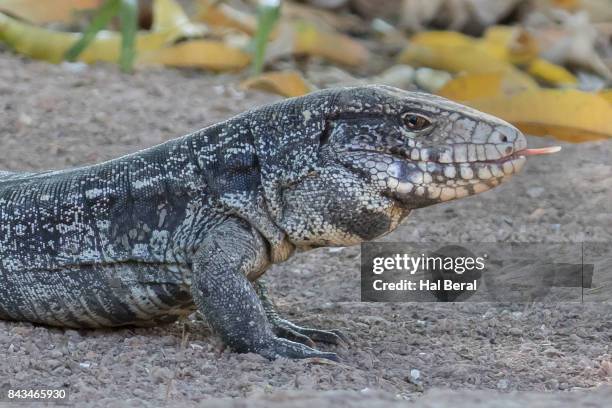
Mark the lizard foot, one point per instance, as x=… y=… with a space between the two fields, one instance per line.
x=280 y=347
x=306 y=335
x=288 y=330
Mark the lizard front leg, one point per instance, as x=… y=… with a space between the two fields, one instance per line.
x=225 y=296
x=284 y=328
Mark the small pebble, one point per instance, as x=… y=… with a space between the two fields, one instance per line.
x=515 y=331
x=430 y=79
x=502 y=384
x=553 y=352
x=535 y=192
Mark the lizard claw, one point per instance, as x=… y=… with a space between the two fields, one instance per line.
x=280 y=347
x=290 y=334
x=308 y=336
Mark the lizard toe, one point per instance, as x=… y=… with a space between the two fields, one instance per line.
x=285 y=328
x=280 y=347
x=326 y=336
x=290 y=334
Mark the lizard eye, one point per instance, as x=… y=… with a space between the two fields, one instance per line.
x=414 y=121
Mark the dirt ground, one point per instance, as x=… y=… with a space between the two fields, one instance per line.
x=400 y=355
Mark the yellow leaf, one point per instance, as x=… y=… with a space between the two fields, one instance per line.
x=50 y=45
x=495 y=53
x=40 y=12
x=551 y=73
x=170 y=24
x=205 y=54
x=565 y=114
x=469 y=87
x=288 y=83
x=462 y=58
x=37 y=42
x=511 y=44
x=332 y=46
x=473 y=86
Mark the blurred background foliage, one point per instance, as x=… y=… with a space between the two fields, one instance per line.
x=544 y=65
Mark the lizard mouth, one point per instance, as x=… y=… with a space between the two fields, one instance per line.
x=523 y=153
x=418 y=183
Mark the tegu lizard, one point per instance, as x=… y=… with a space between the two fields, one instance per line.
x=193 y=223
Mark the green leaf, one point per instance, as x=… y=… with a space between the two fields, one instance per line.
x=105 y=13
x=128 y=15
x=268 y=13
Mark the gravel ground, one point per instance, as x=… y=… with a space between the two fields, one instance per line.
x=493 y=355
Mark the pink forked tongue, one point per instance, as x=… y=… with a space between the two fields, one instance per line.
x=539 y=151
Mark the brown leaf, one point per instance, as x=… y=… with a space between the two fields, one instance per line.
x=223 y=15
x=335 y=47
x=329 y=20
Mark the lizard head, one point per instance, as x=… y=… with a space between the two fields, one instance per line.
x=421 y=149
x=383 y=152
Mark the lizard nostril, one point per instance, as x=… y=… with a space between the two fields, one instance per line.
x=504 y=138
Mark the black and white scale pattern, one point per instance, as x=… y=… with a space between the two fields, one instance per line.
x=126 y=241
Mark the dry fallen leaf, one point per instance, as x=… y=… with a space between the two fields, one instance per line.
x=335 y=47
x=454 y=52
x=223 y=15
x=153 y=47
x=40 y=12
x=302 y=30
x=453 y=58
x=334 y=21
x=286 y=83
x=204 y=54
x=469 y=87
x=510 y=43
x=565 y=114
x=551 y=73
x=50 y=45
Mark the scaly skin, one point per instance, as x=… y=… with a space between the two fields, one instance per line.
x=194 y=222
